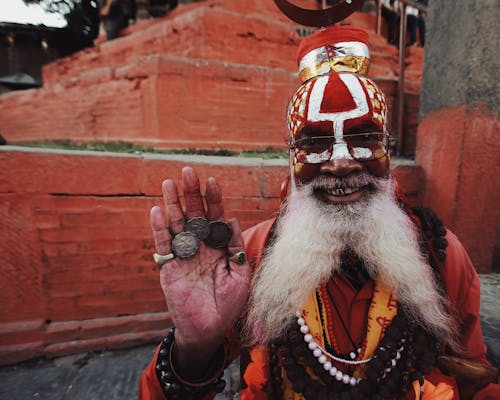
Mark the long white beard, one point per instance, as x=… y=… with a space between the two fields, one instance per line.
x=310 y=238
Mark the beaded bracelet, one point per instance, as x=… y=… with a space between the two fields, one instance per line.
x=174 y=387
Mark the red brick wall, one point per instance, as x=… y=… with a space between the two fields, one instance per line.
x=76 y=249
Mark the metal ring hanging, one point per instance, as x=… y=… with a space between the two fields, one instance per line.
x=340 y=10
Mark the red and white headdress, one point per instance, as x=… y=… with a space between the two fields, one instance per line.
x=333 y=49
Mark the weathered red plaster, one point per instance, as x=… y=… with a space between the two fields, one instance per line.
x=458 y=149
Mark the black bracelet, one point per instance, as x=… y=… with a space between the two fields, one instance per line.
x=175 y=387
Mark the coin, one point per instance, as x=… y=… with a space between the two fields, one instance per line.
x=185 y=244
x=199 y=226
x=220 y=234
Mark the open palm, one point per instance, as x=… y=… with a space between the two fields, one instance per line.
x=205 y=293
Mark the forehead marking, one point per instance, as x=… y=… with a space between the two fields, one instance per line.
x=314 y=113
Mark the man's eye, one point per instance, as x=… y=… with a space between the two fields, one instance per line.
x=314 y=145
x=368 y=138
x=310 y=142
x=315 y=141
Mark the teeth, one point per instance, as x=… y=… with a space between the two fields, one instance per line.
x=341 y=192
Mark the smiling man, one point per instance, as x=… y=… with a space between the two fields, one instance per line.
x=348 y=294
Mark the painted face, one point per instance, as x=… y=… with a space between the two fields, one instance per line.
x=338 y=116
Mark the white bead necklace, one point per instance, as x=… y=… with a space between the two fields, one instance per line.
x=313 y=345
x=322 y=356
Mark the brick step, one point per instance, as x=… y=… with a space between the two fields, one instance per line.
x=203 y=32
x=161 y=101
x=35 y=338
x=216 y=34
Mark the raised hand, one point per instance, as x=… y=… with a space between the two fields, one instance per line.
x=205 y=293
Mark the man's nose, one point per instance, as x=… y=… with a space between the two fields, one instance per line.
x=341 y=162
x=341 y=166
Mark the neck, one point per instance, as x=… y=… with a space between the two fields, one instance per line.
x=352 y=267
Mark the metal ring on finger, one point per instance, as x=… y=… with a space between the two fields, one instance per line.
x=239 y=258
x=219 y=235
x=161 y=259
x=185 y=244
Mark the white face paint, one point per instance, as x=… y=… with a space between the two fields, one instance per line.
x=316 y=158
x=314 y=113
x=340 y=150
x=362 y=152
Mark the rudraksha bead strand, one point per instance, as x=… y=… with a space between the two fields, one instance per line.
x=176 y=388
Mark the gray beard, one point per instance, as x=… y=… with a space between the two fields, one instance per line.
x=309 y=241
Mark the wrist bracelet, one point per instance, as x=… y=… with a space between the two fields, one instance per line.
x=174 y=387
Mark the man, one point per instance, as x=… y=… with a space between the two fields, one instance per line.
x=348 y=294
x=412 y=17
x=116 y=15
x=390 y=13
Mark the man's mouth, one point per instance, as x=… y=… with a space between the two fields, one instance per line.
x=348 y=189
x=333 y=195
x=341 y=191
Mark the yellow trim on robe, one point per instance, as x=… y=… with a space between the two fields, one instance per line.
x=382 y=310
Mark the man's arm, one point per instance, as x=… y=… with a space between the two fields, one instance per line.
x=464 y=291
x=463 y=288
x=205 y=292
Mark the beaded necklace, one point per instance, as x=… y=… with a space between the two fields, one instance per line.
x=384 y=378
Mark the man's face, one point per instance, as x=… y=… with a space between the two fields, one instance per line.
x=337 y=127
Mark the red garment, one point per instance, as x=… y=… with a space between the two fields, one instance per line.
x=461 y=283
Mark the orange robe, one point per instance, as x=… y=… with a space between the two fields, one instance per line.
x=462 y=285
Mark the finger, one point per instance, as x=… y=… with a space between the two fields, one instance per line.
x=192 y=193
x=173 y=206
x=236 y=242
x=235 y=246
x=161 y=234
x=213 y=196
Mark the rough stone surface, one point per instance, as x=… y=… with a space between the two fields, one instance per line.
x=87 y=376
x=459 y=64
x=490 y=315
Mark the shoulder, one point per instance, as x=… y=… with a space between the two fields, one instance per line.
x=459 y=275
x=256 y=238
x=448 y=255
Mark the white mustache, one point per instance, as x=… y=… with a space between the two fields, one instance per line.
x=352 y=181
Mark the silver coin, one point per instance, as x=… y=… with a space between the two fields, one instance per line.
x=199 y=226
x=220 y=234
x=185 y=244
